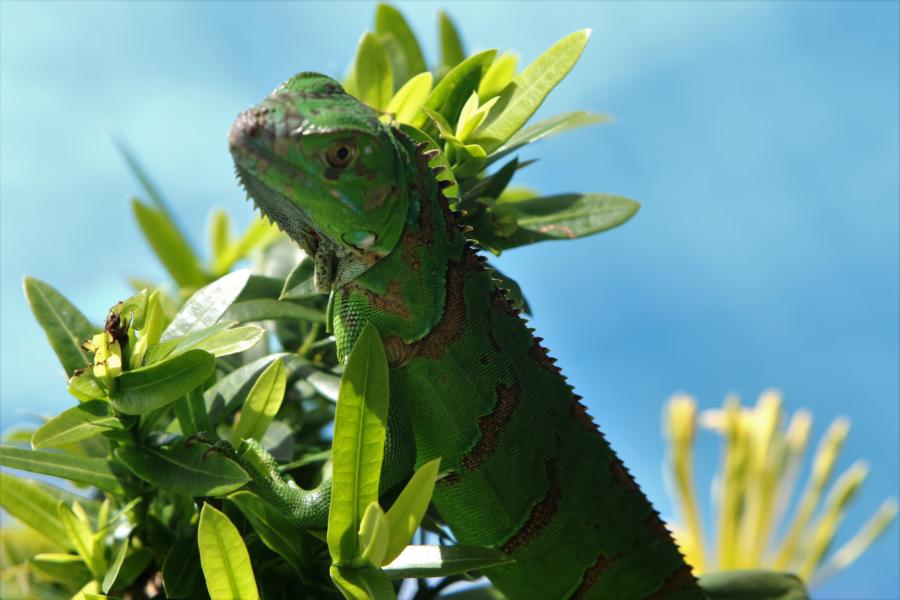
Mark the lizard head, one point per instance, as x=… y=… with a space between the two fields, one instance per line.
x=320 y=164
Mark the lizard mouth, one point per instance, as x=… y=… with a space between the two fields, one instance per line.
x=295 y=222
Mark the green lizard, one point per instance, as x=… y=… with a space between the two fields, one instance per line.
x=528 y=472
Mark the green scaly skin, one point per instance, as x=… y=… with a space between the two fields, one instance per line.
x=528 y=471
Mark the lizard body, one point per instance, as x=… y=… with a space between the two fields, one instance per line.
x=528 y=472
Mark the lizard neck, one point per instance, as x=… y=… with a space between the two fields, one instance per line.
x=405 y=293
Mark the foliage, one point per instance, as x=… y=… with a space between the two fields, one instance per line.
x=179 y=378
x=761 y=462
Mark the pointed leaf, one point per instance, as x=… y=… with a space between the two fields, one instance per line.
x=261 y=405
x=184 y=469
x=230 y=391
x=373 y=536
x=530 y=87
x=113 y=572
x=566 y=216
x=276 y=531
x=170 y=246
x=498 y=76
x=77 y=423
x=299 y=283
x=362 y=584
x=79 y=533
x=133 y=310
x=148 y=388
x=400 y=42
x=374 y=77
x=546 y=128
x=80 y=469
x=406 y=513
x=65 y=326
x=65 y=569
x=266 y=309
x=441 y=561
x=219 y=233
x=224 y=558
x=207 y=305
x=451 y=92
x=231 y=340
x=452 y=52
x=33 y=506
x=181 y=571
x=358 y=447
x=407 y=102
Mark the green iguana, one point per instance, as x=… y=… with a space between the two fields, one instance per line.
x=528 y=472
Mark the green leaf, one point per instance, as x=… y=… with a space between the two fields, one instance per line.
x=33 y=506
x=184 y=469
x=261 y=405
x=441 y=561
x=400 y=43
x=148 y=388
x=265 y=309
x=170 y=246
x=224 y=558
x=65 y=326
x=449 y=95
x=276 y=531
x=80 y=469
x=259 y=233
x=374 y=77
x=358 y=447
x=77 y=423
x=546 y=128
x=753 y=585
x=566 y=217
x=190 y=411
x=498 y=76
x=66 y=569
x=230 y=391
x=452 y=52
x=299 y=283
x=154 y=323
x=219 y=233
x=362 y=584
x=406 y=513
x=407 y=102
x=134 y=309
x=84 y=386
x=207 y=305
x=181 y=569
x=113 y=572
x=141 y=175
x=373 y=537
x=189 y=341
x=530 y=87
x=79 y=533
x=231 y=341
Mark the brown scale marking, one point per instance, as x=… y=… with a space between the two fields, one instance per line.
x=621 y=475
x=450 y=328
x=592 y=574
x=491 y=424
x=542 y=513
x=450 y=480
x=391 y=301
x=580 y=414
x=681 y=578
x=490 y=332
x=539 y=354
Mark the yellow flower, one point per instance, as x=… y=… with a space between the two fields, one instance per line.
x=760 y=463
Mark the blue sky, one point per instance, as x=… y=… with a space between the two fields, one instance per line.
x=761 y=139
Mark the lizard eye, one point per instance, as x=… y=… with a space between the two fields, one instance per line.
x=341 y=154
